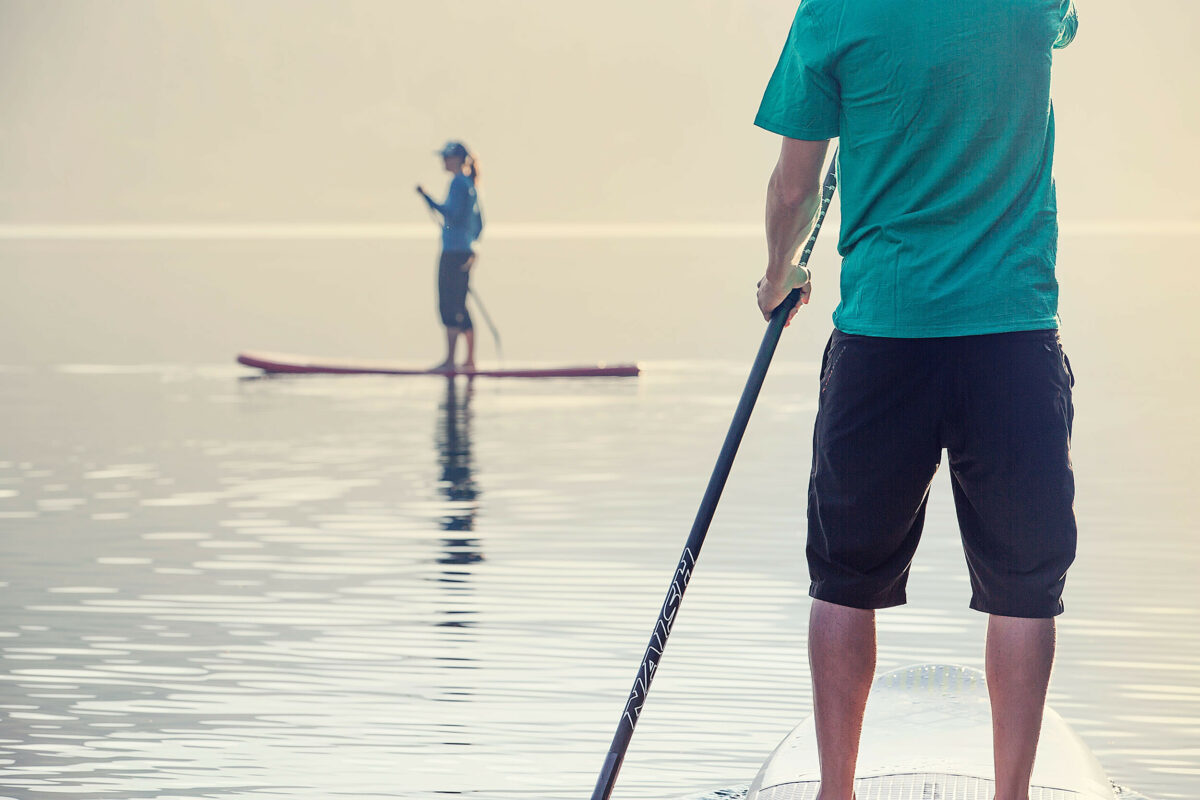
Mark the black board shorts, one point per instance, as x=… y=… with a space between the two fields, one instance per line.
x=1000 y=406
x=453 y=282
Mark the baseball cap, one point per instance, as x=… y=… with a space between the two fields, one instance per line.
x=453 y=148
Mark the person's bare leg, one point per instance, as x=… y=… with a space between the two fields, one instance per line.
x=451 y=347
x=469 y=334
x=841 y=657
x=1020 y=653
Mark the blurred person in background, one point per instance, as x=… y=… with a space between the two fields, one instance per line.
x=462 y=223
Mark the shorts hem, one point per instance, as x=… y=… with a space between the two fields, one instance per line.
x=1025 y=612
x=857 y=599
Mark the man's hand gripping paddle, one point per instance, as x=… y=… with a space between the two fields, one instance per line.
x=708 y=506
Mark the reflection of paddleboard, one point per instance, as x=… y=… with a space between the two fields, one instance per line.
x=282 y=362
x=927 y=735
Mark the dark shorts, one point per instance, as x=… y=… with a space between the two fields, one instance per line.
x=1000 y=405
x=453 y=282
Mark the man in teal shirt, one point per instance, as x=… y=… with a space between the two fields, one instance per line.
x=945 y=336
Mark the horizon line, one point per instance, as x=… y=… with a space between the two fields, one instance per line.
x=510 y=231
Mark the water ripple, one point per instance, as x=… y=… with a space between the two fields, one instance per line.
x=338 y=589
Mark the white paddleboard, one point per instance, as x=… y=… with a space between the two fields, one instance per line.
x=927 y=735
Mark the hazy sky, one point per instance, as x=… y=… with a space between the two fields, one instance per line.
x=282 y=111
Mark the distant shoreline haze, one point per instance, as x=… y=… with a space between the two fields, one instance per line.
x=144 y=112
x=507 y=231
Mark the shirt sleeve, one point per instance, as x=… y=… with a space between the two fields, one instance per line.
x=458 y=201
x=803 y=98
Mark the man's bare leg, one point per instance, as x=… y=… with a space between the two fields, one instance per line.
x=841 y=657
x=1020 y=653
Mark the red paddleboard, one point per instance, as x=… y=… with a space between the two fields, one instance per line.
x=284 y=362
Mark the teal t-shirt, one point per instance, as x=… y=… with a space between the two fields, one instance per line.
x=946 y=136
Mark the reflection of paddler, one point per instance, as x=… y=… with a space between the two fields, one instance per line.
x=462 y=222
x=457 y=482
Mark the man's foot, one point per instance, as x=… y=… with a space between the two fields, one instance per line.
x=467 y=366
x=445 y=366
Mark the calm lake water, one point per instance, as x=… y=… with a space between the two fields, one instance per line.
x=220 y=586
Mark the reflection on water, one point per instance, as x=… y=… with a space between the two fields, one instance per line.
x=279 y=589
x=457 y=483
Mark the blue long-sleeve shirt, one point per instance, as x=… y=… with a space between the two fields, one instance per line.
x=458 y=214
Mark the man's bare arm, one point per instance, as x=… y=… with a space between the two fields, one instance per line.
x=793 y=197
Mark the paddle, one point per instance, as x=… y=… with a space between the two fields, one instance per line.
x=488 y=318
x=708 y=506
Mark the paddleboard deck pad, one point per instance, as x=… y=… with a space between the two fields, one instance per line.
x=298 y=364
x=927 y=735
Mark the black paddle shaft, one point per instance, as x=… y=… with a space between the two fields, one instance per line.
x=488 y=319
x=708 y=507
